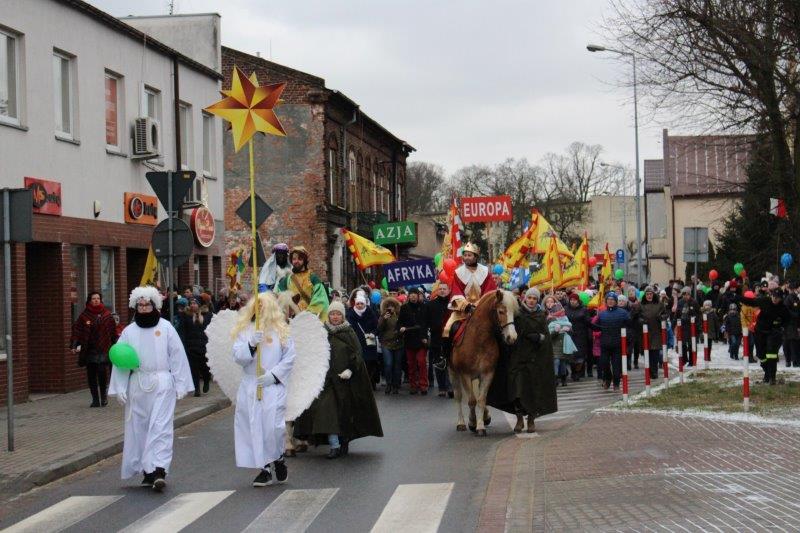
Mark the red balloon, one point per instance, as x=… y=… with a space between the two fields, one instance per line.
x=371 y=284
x=401 y=298
x=713 y=274
x=592 y=261
x=450 y=266
x=444 y=277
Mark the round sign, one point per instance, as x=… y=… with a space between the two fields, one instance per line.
x=181 y=242
x=136 y=207
x=203 y=227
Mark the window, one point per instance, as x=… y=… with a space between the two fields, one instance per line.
x=107 y=277
x=208 y=145
x=80 y=274
x=185 y=124
x=9 y=82
x=374 y=183
x=151 y=103
x=113 y=111
x=352 y=174
x=332 y=196
x=196 y=270
x=63 y=95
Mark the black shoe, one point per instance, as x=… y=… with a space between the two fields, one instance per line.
x=388 y=390
x=103 y=402
x=159 y=479
x=450 y=394
x=335 y=453
x=206 y=384
x=95 y=403
x=148 y=479
x=423 y=392
x=395 y=390
x=345 y=447
x=264 y=478
x=281 y=472
x=413 y=392
x=196 y=393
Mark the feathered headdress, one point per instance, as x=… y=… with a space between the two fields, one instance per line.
x=148 y=293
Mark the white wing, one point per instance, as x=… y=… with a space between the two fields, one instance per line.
x=311 y=360
x=219 y=351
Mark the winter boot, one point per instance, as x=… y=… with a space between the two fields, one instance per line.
x=159 y=479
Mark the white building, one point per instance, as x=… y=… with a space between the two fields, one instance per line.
x=73 y=83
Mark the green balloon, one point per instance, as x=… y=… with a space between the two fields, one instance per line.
x=385 y=284
x=737 y=268
x=706 y=290
x=437 y=260
x=584 y=298
x=123 y=355
x=619 y=274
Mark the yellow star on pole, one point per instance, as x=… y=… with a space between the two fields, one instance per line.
x=249 y=108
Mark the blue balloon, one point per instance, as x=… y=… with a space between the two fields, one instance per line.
x=498 y=269
x=375 y=297
x=786 y=260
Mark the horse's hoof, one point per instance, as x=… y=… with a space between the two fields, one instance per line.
x=487 y=421
x=480 y=433
x=461 y=427
x=473 y=428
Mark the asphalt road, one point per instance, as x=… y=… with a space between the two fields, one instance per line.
x=421 y=476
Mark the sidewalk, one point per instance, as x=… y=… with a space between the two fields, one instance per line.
x=61 y=434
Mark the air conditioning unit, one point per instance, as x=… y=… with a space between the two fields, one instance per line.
x=146 y=134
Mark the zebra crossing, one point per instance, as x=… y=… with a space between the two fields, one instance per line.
x=578 y=398
x=412 y=507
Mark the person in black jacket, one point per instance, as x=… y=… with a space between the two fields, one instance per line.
x=774 y=316
x=365 y=324
x=192 y=330
x=436 y=315
x=412 y=325
x=581 y=335
x=688 y=308
x=610 y=323
x=791 y=333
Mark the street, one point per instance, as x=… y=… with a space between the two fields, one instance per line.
x=422 y=476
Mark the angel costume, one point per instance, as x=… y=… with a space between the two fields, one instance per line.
x=259 y=426
x=150 y=392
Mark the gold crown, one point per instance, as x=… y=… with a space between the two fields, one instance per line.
x=471 y=247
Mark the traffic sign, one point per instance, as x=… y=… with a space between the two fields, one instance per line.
x=181 y=183
x=620 y=256
x=263 y=211
x=182 y=242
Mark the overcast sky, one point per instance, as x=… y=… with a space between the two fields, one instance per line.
x=463 y=81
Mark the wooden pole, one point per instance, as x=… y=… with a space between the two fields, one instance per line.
x=254 y=256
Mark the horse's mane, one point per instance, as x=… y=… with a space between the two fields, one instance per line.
x=486 y=303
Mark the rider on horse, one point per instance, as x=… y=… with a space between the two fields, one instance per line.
x=471 y=281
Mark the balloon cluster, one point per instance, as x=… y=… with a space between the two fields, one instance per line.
x=786 y=260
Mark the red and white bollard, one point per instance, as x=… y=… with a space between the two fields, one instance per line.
x=664 y=354
x=706 y=343
x=693 y=331
x=646 y=349
x=746 y=369
x=624 y=340
x=679 y=342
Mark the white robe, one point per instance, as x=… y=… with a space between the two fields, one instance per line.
x=152 y=390
x=259 y=426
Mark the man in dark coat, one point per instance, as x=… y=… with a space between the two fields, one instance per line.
x=774 y=316
x=436 y=315
x=688 y=308
x=192 y=330
x=412 y=325
x=531 y=381
x=581 y=335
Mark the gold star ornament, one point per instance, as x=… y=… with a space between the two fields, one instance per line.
x=249 y=108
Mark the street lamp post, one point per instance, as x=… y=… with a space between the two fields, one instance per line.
x=598 y=48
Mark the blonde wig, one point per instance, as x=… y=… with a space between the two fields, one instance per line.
x=270 y=318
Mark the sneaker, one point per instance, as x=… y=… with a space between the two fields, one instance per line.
x=335 y=453
x=196 y=393
x=281 y=472
x=264 y=478
x=148 y=479
x=159 y=479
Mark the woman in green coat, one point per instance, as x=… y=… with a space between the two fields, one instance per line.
x=531 y=382
x=345 y=409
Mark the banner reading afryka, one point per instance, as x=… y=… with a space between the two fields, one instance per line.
x=409 y=273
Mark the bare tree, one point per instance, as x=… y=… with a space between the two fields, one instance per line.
x=425 y=187
x=729 y=64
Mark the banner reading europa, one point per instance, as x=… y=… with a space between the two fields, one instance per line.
x=410 y=273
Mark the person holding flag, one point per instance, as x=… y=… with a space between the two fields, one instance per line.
x=307 y=289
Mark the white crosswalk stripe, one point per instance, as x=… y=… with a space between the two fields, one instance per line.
x=62 y=515
x=178 y=513
x=418 y=508
x=293 y=511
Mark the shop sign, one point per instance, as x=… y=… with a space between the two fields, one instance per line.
x=410 y=273
x=402 y=231
x=486 y=209
x=141 y=209
x=203 y=228
x=46 y=196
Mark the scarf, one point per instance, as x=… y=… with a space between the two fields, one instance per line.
x=96 y=309
x=335 y=329
x=530 y=309
x=147 y=320
x=361 y=312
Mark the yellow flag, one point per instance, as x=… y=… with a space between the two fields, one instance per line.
x=365 y=252
x=577 y=271
x=517 y=251
x=150 y=269
x=542 y=233
x=606 y=271
x=550 y=273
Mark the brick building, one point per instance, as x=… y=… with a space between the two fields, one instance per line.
x=73 y=83
x=336 y=168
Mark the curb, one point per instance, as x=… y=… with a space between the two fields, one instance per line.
x=94 y=454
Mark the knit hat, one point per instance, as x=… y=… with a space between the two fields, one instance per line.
x=533 y=291
x=611 y=294
x=707 y=303
x=686 y=290
x=649 y=289
x=574 y=296
x=361 y=298
x=336 y=306
x=182 y=301
x=733 y=284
